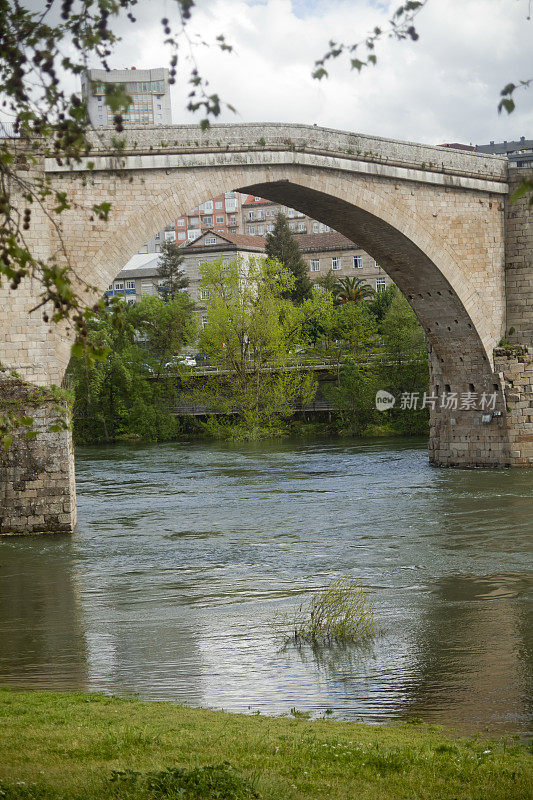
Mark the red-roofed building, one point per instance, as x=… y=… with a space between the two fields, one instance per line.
x=321 y=251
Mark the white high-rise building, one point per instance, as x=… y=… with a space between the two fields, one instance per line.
x=148 y=88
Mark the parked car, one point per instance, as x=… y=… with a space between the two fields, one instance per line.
x=186 y=361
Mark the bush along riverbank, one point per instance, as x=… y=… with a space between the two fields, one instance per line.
x=80 y=746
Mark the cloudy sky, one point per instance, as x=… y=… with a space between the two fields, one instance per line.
x=444 y=87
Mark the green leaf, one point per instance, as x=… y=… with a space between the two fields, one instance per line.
x=102 y=210
x=508 y=104
x=509 y=89
x=117 y=98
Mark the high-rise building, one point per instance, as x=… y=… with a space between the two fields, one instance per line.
x=148 y=88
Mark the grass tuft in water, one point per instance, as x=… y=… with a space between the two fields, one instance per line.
x=342 y=613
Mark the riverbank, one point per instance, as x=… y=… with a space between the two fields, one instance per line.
x=59 y=746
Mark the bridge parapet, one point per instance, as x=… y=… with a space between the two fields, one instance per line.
x=281 y=137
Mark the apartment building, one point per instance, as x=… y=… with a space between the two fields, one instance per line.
x=221 y=213
x=519 y=153
x=322 y=252
x=148 y=88
x=333 y=251
x=258 y=217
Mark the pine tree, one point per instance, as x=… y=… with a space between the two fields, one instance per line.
x=170 y=270
x=282 y=246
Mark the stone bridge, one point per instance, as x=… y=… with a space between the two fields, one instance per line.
x=438 y=221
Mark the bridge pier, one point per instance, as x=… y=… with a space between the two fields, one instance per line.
x=469 y=425
x=38 y=493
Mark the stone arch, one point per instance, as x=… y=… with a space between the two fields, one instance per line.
x=419 y=260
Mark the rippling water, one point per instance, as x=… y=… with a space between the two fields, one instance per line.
x=185 y=551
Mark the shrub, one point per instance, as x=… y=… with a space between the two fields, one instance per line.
x=220 y=781
x=339 y=614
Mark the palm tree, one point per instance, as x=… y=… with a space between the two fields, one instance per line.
x=351 y=290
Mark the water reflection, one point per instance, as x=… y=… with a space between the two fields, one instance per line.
x=41 y=635
x=186 y=551
x=474 y=652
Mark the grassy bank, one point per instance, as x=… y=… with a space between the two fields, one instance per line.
x=81 y=746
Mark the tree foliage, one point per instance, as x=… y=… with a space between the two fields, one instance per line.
x=124 y=394
x=282 y=246
x=251 y=329
x=170 y=271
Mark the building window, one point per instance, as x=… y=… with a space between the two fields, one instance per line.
x=260 y=230
x=220 y=220
x=208 y=205
x=211 y=240
x=181 y=223
x=204 y=294
x=292 y=226
x=119 y=284
x=315 y=227
x=182 y=235
x=301 y=227
x=377 y=265
x=380 y=284
x=208 y=220
x=315 y=265
x=170 y=236
x=232 y=220
x=251 y=229
x=290 y=212
x=358 y=262
x=110 y=287
x=326 y=229
x=336 y=262
x=219 y=204
x=130 y=284
x=259 y=214
x=257 y=199
x=270 y=228
x=204 y=321
x=250 y=215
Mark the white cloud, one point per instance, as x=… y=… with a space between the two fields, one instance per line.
x=444 y=87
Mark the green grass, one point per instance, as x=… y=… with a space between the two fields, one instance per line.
x=90 y=746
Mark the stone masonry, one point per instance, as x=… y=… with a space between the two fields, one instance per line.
x=36 y=474
x=437 y=220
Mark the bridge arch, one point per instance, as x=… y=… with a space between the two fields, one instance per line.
x=460 y=331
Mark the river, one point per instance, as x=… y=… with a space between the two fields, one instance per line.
x=185 y=552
